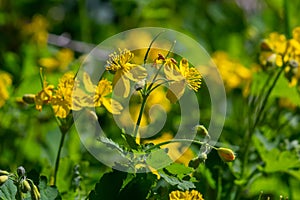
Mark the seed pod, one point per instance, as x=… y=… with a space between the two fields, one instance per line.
x=227 y=155
x=3 y=179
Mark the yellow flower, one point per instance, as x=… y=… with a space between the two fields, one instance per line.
x=103 y=89
x=61 y=60
x=95 y=96
x=180 y=77
x=5 y=82
x=62 y=100
x=124 y=71
x=44 y=96
x=187 y=195
x=227 y=155
x=273 y=50
x=176 y=151
x=38 y=29
x=234 y=74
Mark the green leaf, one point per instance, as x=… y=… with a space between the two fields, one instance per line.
x=276 y=160
x=158 y=159
x=179 y=169
x=109 y=186
x=8 y=190
x=139 y=187
x=46 y=191
x=181 y=184
x=110 y=143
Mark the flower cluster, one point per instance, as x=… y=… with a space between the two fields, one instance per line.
x=187 y=195
x=278 y=51
x=233 y=73
x=68 y=95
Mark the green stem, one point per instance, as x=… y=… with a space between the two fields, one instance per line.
x=61 y=143
x=251 y=129
x=181 y=141
x=138 y=122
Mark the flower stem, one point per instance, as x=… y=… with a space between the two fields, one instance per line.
x=61 y=143
x=138 y=122
x=179 y=140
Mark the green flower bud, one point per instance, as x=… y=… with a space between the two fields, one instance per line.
x=201 y=130
x=25 y=186
x=29 y=98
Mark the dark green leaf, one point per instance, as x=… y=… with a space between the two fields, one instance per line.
x=8 y=190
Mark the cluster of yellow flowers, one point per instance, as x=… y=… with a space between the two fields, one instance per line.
x=70 y=96
x=278 y=51
x=5 y=82
x=178 y=76
x=187 y=195
x=233 y=73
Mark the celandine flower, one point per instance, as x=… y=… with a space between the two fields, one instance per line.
x=44 y=96
x=179 y=77
x=62 y=100
x=187 y=195
x=124 y=71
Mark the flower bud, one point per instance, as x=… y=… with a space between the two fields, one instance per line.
x=21 y=171
x=34 y=193
x=3 y=172
x=201 y=130
x=140 y=85
x=3 y=179
x=28 y=98
x=25 y=186
x=227 y=155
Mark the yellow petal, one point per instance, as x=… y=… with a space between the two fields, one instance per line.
x=88 y=85
x=175 y=91
x=122 y=85
x=136 y=72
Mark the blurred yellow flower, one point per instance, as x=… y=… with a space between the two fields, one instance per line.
x=180 y=77
x=187 y=195
x=61 y=60
x=5 y=82
x=124 y=71
x=37 y=29
x=234 y=74
x=176 y=151
x=273 y=50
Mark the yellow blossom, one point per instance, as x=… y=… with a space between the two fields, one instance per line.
x=44 y=96
x=180 y=77
x=37 y=29
x=62 y=100
x=5 y=82
x=95 y=95
x=61 y=60
x=187 y=195
x=234 y=74
x=124 y=71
